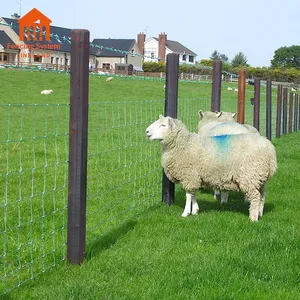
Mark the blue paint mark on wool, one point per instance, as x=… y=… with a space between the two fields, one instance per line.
x=222 y=141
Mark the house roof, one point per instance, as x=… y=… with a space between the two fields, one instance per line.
x=121 y=44
x=177 y=47
x=5 y=39
x=65 y=46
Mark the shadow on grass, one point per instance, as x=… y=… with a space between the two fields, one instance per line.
x=207 y=202
x=107 y=241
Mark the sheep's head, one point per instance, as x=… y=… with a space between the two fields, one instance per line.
x=160 y=128
x=219 y=116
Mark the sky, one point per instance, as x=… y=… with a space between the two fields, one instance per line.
x=257 y=27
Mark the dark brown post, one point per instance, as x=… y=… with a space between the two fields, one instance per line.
x=216 y=86
x=241 y=96
x=298 y=115
x=256 y=103
x=296 y=112
x=291 y=112
x=80 y=40
x=172 y=72
x=269 y=110
x=278 y=115
x=284 y=111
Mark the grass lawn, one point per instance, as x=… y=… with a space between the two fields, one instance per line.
x=137 y=248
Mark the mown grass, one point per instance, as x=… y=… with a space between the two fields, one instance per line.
x=124 y=181
x=218 y=254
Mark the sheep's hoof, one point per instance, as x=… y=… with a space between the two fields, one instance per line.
x=195 y=212
x=254 y=218
x=185 y=214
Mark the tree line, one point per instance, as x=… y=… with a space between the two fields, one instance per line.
x=285 y=65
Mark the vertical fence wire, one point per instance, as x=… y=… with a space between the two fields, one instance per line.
x=34 y=187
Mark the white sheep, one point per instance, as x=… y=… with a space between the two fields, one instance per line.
x=109 y=79
x=236 y=90
x=229 y=89
x=241 y=162
x=217 y=123
x=46 y=92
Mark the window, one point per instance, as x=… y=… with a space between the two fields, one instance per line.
x=132 y=52
x=67 y=61
x=52 y=60
x=37 y=58
x=57 y=60
x=191 y=59
x=184 y=57
x=106 y=66
x=152 y=54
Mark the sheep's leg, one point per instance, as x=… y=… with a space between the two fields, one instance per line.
x=216 y=194
x=254 y=198
x=188 y=204
x=262 y=200
x=195 y=207
x=224 y=197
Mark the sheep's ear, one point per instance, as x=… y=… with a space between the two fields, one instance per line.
x=171 y=122
x=233 y=115
x=161 y=117
x=218 y=114
x=200 y=114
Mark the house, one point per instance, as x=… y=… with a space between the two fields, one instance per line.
x=30 y=49
x=7 y=56
x=155 y=48
x=127 y=53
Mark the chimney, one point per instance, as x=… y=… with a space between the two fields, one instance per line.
x=141 y=37
x=15 y=16
x=162 y=41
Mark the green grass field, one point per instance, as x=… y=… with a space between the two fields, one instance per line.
x=137 y=248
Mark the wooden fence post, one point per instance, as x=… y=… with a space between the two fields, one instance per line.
x=296 y=107
x=256 y=114
x=241 y=96
x=291 y=112
x=269 y=110
x=216 y=86
x=284 y=111
x=80 y=40
x=172 y=73
x=279 y=106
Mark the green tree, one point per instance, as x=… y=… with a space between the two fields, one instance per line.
x=218 y=56
x=286 y=57
x=239 y=60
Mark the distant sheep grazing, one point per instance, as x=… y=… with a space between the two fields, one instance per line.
x=109 y=79
x=229 y=89
x=241 y=162
x=236 y=90
x=46 y=92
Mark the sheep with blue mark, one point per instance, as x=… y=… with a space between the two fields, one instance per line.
x=218 y=123
x=241 y=162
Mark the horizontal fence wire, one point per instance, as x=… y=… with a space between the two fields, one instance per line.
x=33 y=201
x=124 y=170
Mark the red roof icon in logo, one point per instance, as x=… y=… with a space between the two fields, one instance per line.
x=37 y=21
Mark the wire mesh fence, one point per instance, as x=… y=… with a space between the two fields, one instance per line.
x=124 y=174
x=33 y=201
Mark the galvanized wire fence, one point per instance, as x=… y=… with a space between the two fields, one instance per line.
x=33 y=199
x=124 y=177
